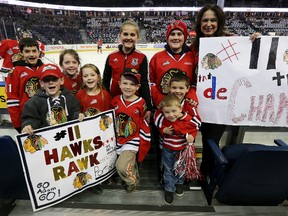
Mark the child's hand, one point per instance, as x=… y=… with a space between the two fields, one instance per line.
x=168 y=130
x=190 y=138
x=81 y=117
x=28 y=129
x=192 y=102
x=147 y=116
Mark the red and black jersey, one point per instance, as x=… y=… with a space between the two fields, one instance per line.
x=73 y=84
x=191 y=110
x=93 y=104
x=21 y=84
x=10 y=52
x=177 y=141
x=129 y=120
x=163 y=65
x=116 y=63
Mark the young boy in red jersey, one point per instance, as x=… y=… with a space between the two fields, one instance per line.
x=23 y=81
x=51 y=105
x=176 y=58
x=133 y=132
x=179 y=86
x=176 y=129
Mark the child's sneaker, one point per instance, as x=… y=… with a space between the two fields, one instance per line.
x=168 y=197
x=130 y=188
x=96 y=189
x=179 y=190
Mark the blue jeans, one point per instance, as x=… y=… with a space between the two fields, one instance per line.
x=169 y=158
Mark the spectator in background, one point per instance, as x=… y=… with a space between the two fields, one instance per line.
x=99 y=45
x=9 y=49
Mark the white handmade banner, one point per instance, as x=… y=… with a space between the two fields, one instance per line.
x=63 y=160
x=243 y=83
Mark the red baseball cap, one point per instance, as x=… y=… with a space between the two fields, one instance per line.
x=50 y=70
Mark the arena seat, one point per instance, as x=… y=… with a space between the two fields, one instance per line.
x=249 y=174
x=12 y=181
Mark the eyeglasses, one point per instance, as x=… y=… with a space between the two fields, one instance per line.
x=50 y=79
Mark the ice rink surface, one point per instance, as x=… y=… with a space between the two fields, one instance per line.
x=91 y=57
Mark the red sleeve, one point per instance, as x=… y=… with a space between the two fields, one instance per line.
x=187 y=126
x=108 y=100
x=13 y=98
x=3 y=47
x=192 y=94
x=156 y=120
x=156 y=95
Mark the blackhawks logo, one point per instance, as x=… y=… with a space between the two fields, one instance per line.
x=125 y=125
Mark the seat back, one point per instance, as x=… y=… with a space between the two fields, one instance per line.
x=12 y=181
x=257 y=177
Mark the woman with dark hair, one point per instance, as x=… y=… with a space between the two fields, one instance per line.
x=210 y=23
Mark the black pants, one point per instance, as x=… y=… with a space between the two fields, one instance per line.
x=209 y=131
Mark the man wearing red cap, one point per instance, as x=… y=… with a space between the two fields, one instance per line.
x=176 y=58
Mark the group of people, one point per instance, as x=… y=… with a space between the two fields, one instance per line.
x=39 y=95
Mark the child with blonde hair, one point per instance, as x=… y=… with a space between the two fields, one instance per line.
x=69 y=62
x=177 y=129
x=93 y=97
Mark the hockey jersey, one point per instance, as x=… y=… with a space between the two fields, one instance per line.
x=191 y=110
x=91 y=105
x=163 y=66
x=133 y=133
x=21 y=84
x=73 y=84
x=116 y=63
x=10 y=52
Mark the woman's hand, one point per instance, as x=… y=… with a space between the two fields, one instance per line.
x=254 y=36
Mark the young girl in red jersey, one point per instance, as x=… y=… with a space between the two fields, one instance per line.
x=69 y=61
x=128 y=57
x=93 y=97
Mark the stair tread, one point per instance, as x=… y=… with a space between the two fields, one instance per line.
x=139 y=197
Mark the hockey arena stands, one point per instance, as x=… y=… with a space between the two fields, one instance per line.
x=53 y=27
